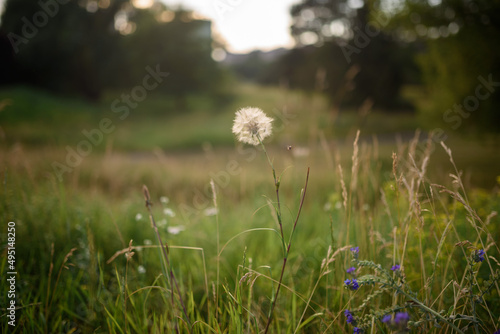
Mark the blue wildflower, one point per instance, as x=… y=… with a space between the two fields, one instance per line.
x=352 y=284
x=396 y=267
x=401 y=318
x=357 y=330
x=351 y=270
x=387 y=318
x=349 y=316
x=497 y=332
x=479 y=255
x=355 y=250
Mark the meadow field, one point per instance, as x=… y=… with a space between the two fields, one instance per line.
x=383 y=228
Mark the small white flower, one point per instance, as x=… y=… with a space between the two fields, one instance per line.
x=161 y=223
x=138 y=217
x=338 y=205
x=210 y=211
x=251 y=124
x=141 y=269
x=175 y=229
x=169 y=212
x=164 y=200
x=148 y=242
x=327 y=206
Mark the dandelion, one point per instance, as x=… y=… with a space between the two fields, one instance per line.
x=395 y=267
x=141 y=269
x=351 y=270
x=251 y=125
x=138 y=217
x=169 y=212
x=175 y=229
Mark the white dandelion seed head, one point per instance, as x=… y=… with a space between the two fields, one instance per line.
x=138 y=217
x=141 y=269
x=175 y=229
x=250 y=124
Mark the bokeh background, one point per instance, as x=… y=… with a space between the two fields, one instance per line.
x=98 y=97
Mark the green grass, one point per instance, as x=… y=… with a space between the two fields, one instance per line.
x=94 y=209
x=36 y=118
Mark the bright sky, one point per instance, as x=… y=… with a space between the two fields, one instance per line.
x=246 y=25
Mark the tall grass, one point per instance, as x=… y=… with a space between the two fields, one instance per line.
x=399 y=209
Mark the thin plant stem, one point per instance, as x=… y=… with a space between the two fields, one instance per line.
x=285 y=258
x=472 y=303
x=125 y=285
x=277 y=186
x=423 y=306
x=173 y=280
x=214 y=194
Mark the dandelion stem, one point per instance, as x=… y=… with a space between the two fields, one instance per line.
x=285 y=258
x=277 y=186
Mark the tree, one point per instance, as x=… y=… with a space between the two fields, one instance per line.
x=85 y=47
x=462 y=53
x=355 y=34
x=60 y=45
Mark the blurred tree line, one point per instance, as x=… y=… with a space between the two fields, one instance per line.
x=86 y=47
x=460 y=59
x=345 y=53
x=362 y=52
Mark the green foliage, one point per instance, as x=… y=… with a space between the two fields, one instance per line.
x=441 y=281
x=390 y=208
x=460 y=52
x=83 y=51
x=355 y=64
